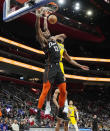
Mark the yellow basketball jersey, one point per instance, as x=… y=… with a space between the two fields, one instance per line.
x=61 y=47
x=72 y=110
x=72 y=115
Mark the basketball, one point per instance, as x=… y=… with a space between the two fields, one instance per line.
x=52 y=19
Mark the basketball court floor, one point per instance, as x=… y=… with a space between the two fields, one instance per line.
x=53 y=129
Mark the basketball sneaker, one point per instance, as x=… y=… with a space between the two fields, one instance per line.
x=47 y=110
x=38 y=117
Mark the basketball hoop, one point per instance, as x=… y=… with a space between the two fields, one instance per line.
x=13 y=9
x=22 y=1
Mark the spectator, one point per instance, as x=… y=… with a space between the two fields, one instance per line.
x=31 y=120
x=0 y=112
x=22 y=125
x=26 y=125
x=14 y=108
x=15 y=126
x=3 y=126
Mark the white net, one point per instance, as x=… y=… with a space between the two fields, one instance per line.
x=47 y=9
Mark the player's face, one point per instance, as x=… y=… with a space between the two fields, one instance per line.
x=70 y=102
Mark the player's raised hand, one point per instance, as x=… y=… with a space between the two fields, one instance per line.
x=41 y=12
x=46 y=13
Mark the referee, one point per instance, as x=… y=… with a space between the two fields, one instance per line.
x=95 y=123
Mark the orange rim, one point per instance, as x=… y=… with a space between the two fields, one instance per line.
x=54 y=4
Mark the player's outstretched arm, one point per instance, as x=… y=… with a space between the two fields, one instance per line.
x=39 y=33
x=37 y=27
x=55 y=98
x=74 y=63
x=46 y=29
x=60 y=35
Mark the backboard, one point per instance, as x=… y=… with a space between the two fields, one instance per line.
x=13 y=9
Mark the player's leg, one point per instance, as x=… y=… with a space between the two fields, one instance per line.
x=48 y=78
x=46 y=88
x=74 y=122
x=51 y=75
x=62 y=96
x=48 y=107
x=58 y=124
x=63 y=93
x=66 y=126
x=76 y=127
x=61 y=85
x=70 y=122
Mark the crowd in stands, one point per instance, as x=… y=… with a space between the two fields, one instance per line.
x=18 y=110
x=78 y=25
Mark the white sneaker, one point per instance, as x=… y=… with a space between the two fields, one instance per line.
x=48 y=110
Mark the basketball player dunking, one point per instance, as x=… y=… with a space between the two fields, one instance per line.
x=54 y=70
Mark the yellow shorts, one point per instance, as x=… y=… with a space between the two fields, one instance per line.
x=72 y=120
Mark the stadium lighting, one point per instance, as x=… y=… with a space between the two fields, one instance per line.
x=107 y=1
x=61 y=2
x=42 y=53
x=24 y=65
x=89 y=12
x=21 y=78
x=77 y=6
